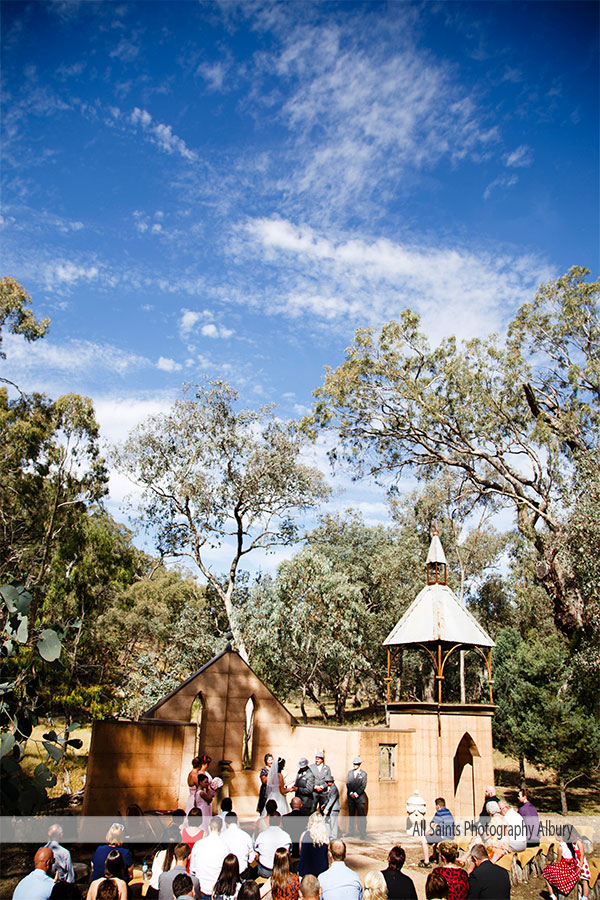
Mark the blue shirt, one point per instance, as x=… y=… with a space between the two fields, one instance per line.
x=35 y=886
x=340 y=883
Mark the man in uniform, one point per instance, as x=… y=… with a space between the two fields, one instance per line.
x=304 y=785
x=321 y=773
x=356 y=783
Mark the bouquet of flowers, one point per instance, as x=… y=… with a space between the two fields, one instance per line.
x=215 y=783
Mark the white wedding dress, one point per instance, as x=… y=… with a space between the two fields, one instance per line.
x=273 y=791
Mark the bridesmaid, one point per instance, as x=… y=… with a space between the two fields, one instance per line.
x=264 y=774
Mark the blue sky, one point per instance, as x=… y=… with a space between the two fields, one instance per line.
x=199 y=190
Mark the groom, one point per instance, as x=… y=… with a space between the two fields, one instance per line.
x=304 y=786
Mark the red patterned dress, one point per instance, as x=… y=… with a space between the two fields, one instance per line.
x=457 y=881
x=563 y=875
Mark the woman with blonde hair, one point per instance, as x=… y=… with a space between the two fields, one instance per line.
x=314 y=845
x=114 y=841
x=375 y=886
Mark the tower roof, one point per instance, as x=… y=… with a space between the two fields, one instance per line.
x=436 y=614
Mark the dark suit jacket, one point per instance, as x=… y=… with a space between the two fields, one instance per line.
x=399 y=885
x=295 y=823
x=489 y=882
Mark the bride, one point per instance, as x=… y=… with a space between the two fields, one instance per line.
x=276 y=789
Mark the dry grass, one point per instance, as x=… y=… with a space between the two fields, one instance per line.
x=75 y=763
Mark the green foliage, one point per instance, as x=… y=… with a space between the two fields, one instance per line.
x=212 y=475
x=15 y=313
x=541 y=714
x=505 y=417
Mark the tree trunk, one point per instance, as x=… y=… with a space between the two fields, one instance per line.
x=522 y=771
x=302 y=705
x=319 y=703
x=563 y=796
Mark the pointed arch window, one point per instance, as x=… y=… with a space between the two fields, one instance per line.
x=196 y=713
x=247 y=747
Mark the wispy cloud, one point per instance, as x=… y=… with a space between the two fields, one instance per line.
x=67 y=273
x=502 y=181
x=349 y=280
x=159 y=133
x=126 y=50
x=519 y=158
x=361 y=116
x=72 y=356
x=216 y=331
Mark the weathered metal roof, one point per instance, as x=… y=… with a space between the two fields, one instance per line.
x=436 y=614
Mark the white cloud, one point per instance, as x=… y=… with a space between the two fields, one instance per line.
x=213 y=74
x=167 y=365
x=502 y=181
x=126 y=50
x=67 y=273
x=345 y=279
x=519 y=158
x=74 y=356
x=216 y=331
x=160 y=134
x=189 y=319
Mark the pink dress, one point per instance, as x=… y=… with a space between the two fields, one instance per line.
x=190 y=803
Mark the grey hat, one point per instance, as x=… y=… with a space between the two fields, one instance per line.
x=356 y=761
x=330 y=779
x=303 y=762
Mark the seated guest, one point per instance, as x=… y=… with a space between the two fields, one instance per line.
x=193 y=831
x=310 y=889
x=456 y=877
x=164 y=859
x=114 y=869
x=183 y=887
x=496 y=838
x=485 y=878
x=264 y=821
x=285 y=884
x=441 y=829
x=399 y=885
x=181 y=857
x=114 y=841
x=516 y=829
x=207 y=857
x=530 y=816
x=295 y=823
x=171 y=832
x=436 y=886
x=239 y=843
x=339 y=880
x=268 y=841
x=227 y=884
x=490 y=794
x=375 y=886
x=314 y=847
x=37 y=885
x=226 y=807
x=108 y=890
x=63 y=866
x=249 y=891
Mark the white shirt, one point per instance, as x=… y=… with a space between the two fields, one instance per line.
x=267 y=843
x=206 y=861
x=239 y=843
x=517 y=830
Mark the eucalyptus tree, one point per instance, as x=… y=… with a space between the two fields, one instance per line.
x=212 y=476
x=510 y=417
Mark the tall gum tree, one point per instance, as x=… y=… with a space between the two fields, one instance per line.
x=511 y=417
x=213 y=476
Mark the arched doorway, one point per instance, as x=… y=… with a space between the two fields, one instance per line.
x=196 y=712
x=465 y=801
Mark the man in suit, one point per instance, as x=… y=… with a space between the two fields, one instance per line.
x=321 y=772
x=356 y=783
x=331 y=810
x=295 y=823
x=486 y=880
x=304 y=785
